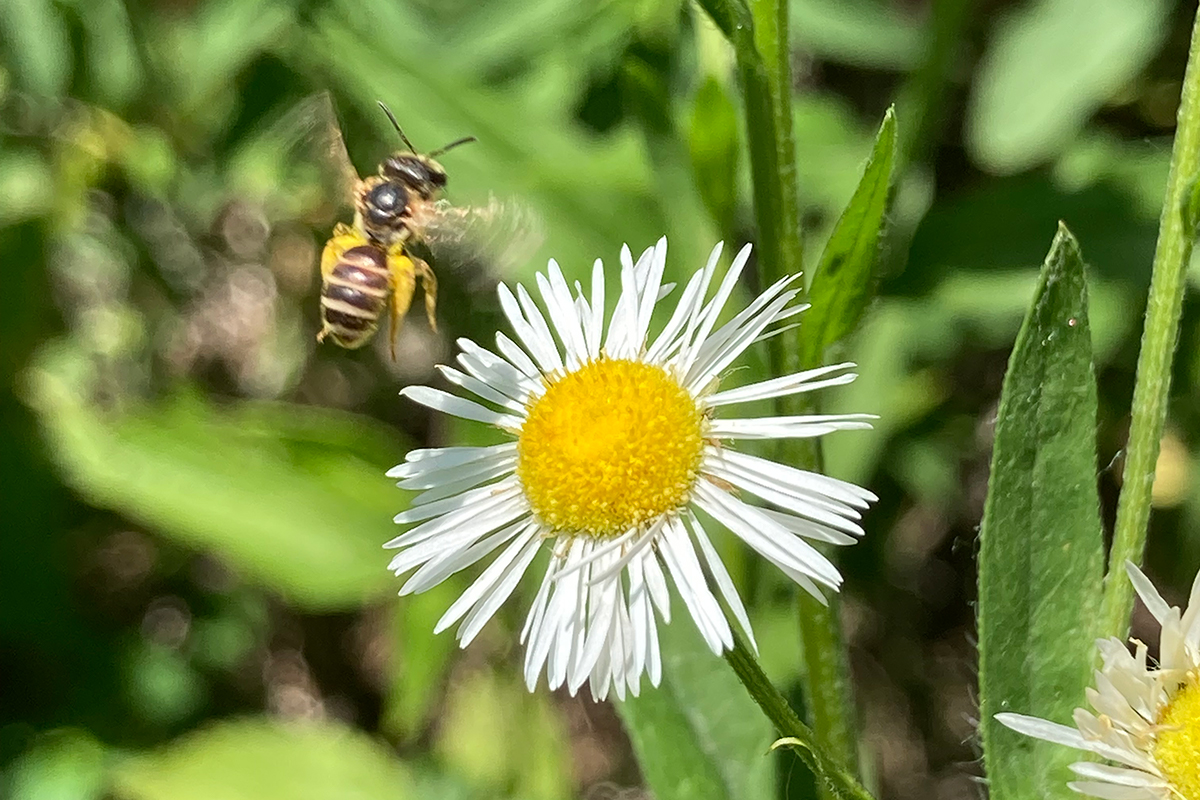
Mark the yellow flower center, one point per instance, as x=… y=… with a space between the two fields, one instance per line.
x=610 y=447
x=1178 y=745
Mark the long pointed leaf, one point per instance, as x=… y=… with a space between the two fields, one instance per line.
x=844 y=283
x=1041 y=547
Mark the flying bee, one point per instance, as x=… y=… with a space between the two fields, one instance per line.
x=370 y=264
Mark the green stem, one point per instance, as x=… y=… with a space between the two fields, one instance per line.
x=772 y=158
x=771 y=37
x=837 y=781
x=827 y=679
x=761 y=44
x=1176 y=232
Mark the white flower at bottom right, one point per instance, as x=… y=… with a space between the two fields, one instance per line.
x=1146 y=717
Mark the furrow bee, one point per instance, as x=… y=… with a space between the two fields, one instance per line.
x=369 y=265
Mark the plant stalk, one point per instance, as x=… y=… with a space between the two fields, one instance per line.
x=772 y=160
x=761 y=45
x=1176 y=234
x=835 y=780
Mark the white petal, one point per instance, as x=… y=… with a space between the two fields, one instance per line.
x=796 y=479
x=654 y=274
x=681 y=561
x=800 y=427
x=766 y=536
x=557 y=297
x=714 y=308
x=786 y=385
x=421 y=477
x=721 y=576
x=460 y=484
x=595 y=325
x=456 y=537
x=735 y=336
x=1107 y=791
x=537 y=340
x=437 y=458
x=1119 y=775
x=497 y=372
x=1145 y=589
x=495 y=493
x=500 y=591
x=478 y=387
x=437 y=569
x=689 y=302
x=517 y=357
x=494 y=572
x=459 y=407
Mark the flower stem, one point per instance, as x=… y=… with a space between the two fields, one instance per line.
x=1176 y=234
x=768 y=130
x=836 y=780
x=761 y=44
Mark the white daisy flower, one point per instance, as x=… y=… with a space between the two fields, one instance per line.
x=618 y=444
x=1147 y=718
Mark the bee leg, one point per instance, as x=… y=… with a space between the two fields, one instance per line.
x=429 y=285
x=404 y=283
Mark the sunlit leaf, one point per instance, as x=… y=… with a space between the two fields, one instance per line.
x=63 y=765
x=1051 y=64
x=293 y=497
x=1041 y=544
x=260 y=759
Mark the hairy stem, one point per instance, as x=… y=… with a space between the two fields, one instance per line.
x=836 y=781
x=1176 y=233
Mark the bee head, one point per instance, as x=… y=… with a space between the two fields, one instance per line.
x=420 y=174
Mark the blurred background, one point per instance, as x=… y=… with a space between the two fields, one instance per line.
x=193 y=598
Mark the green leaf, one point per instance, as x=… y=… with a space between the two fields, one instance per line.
x=1050 y=66
x=259 y=759
x=293 y=497
x=698 y=734
x=112 y=59
x=62 y=765
x=420 y=659
x=35 y=44
x=1041 y=556
x=844 y=284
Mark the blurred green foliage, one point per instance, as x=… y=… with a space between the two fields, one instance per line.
x=192 y=491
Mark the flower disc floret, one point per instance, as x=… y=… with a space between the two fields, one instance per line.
x=1177 y=749
x=610 y=447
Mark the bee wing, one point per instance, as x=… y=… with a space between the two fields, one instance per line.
x=309 y=131
x=496 y=237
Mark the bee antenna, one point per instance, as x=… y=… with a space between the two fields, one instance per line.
x=452 y=145
x=396 y=125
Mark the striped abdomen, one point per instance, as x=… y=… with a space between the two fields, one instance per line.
x=354 y=294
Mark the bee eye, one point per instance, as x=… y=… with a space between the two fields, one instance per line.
x=437 y=178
